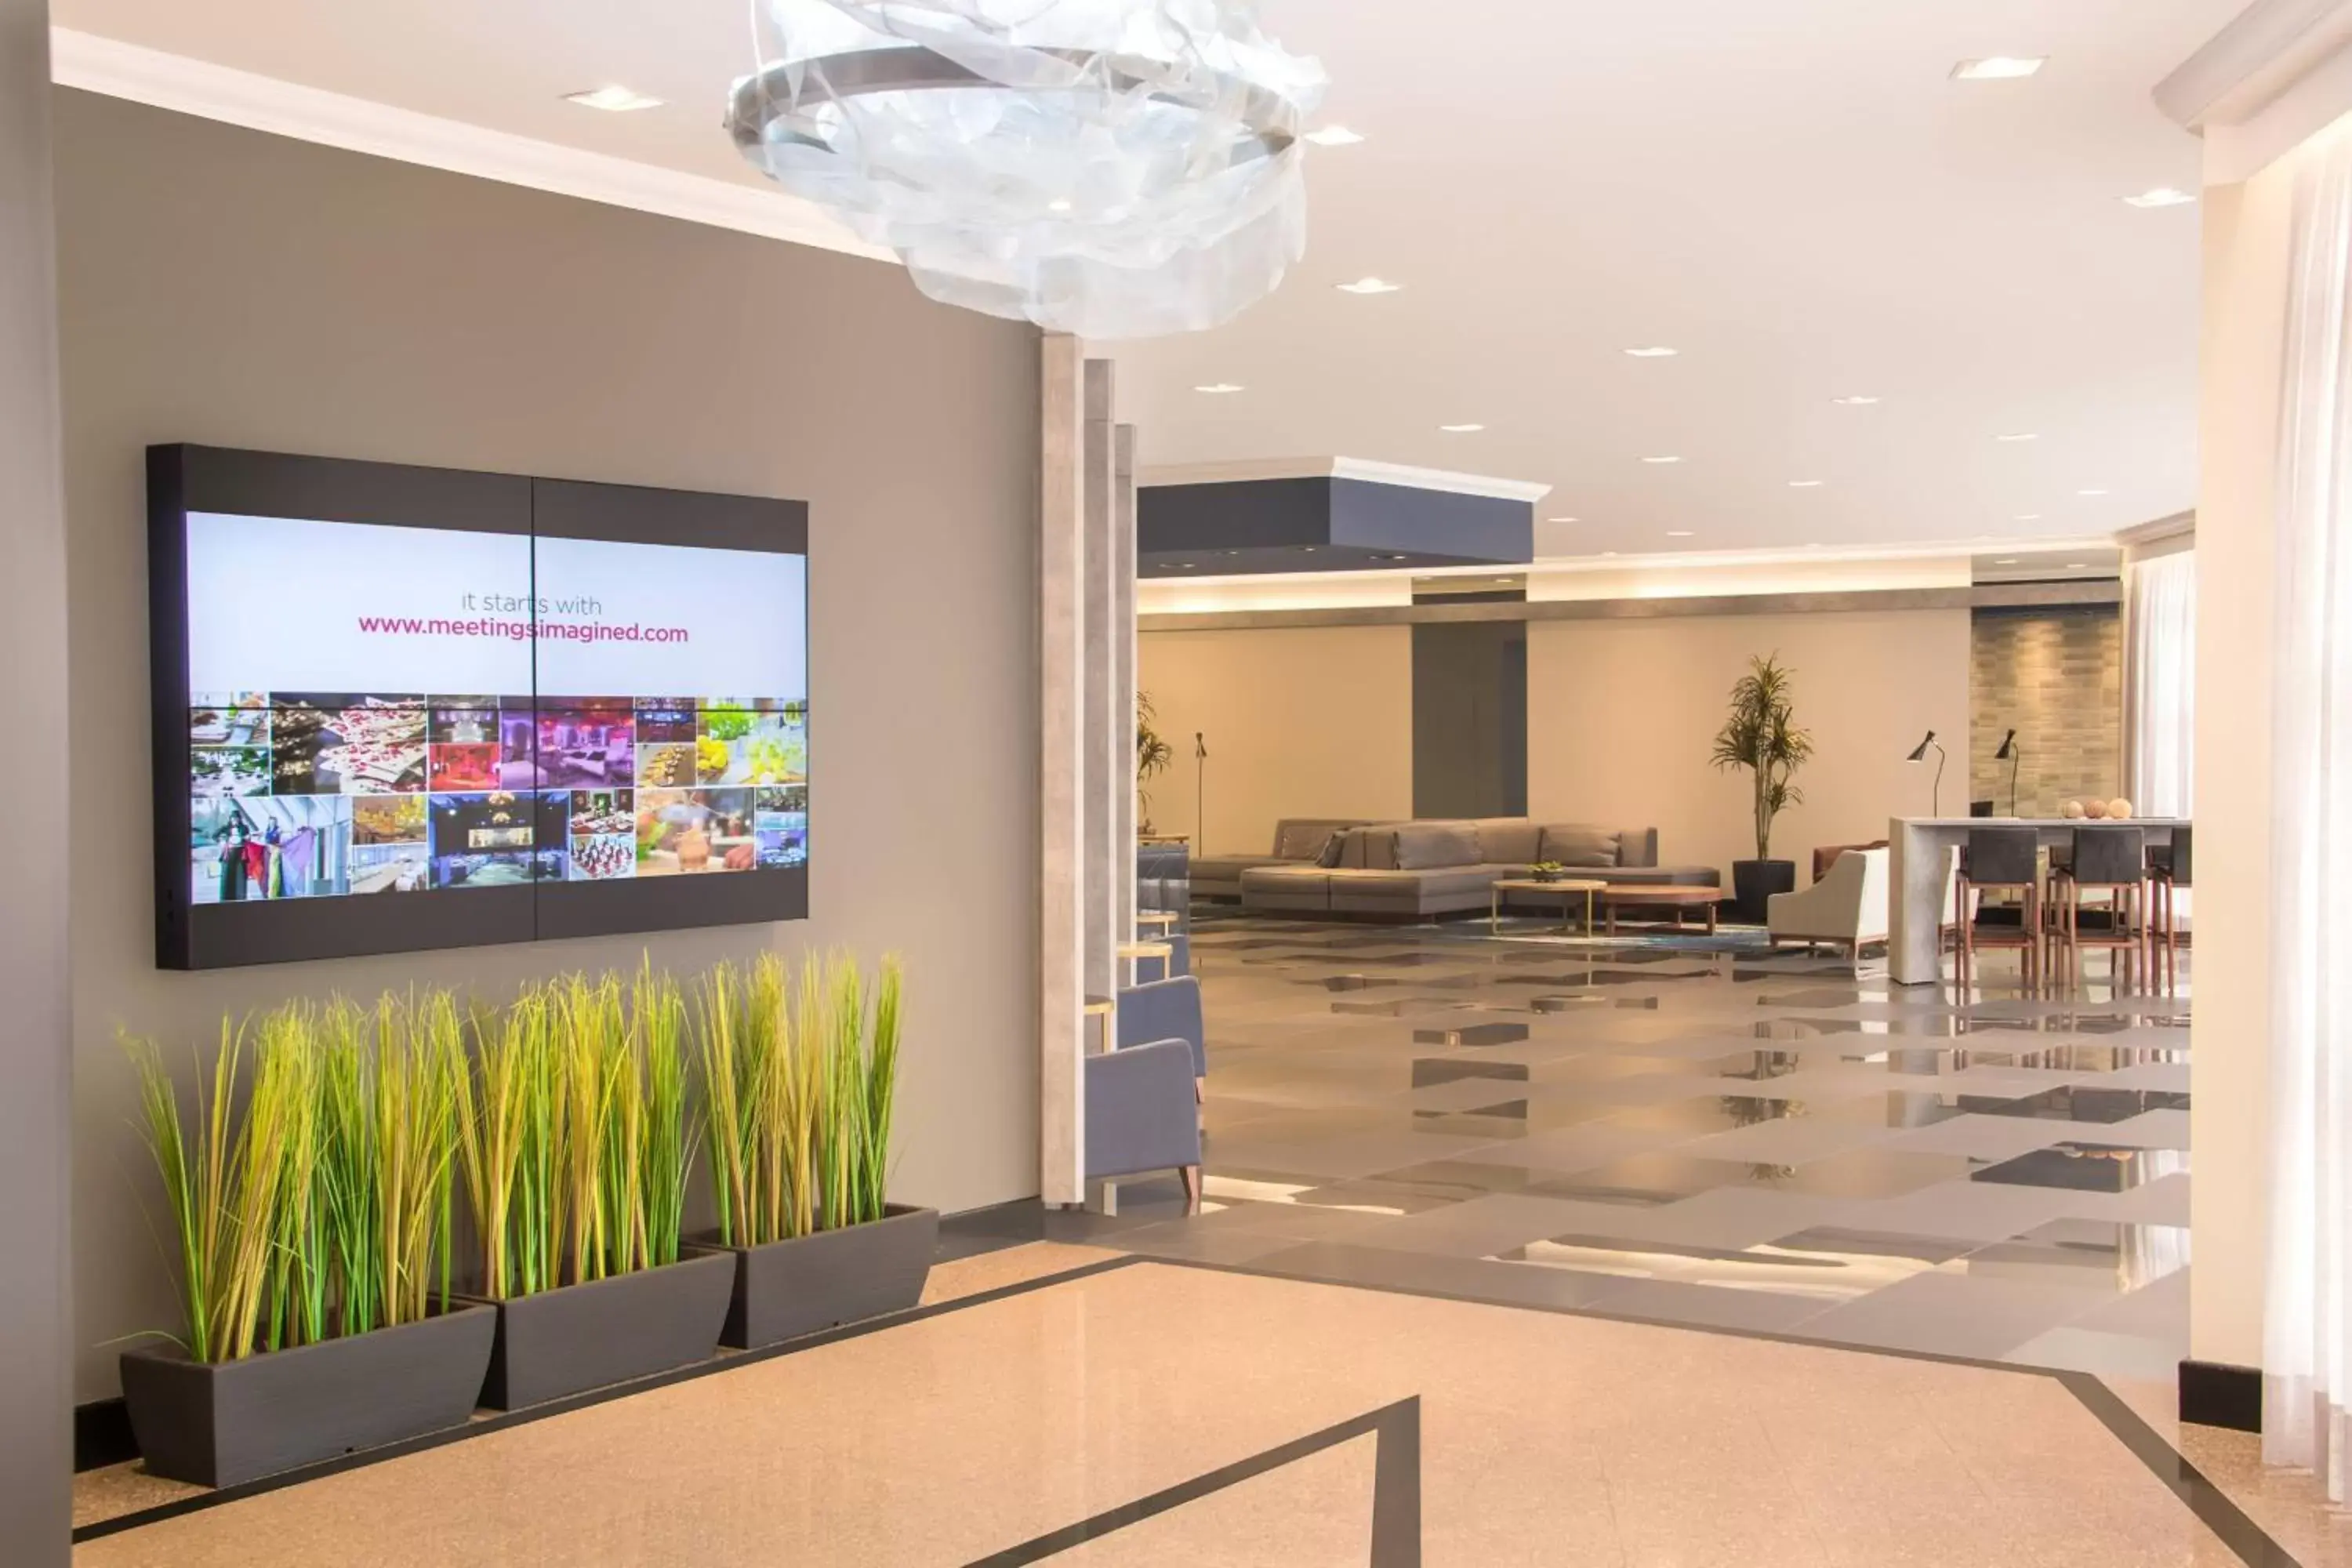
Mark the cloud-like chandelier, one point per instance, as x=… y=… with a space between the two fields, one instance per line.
x=1109 y=168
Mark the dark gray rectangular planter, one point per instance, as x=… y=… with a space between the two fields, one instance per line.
x=810 y=1283
x=220 y=1424
x=579 y=1337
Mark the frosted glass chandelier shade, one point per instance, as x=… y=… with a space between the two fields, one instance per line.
x=1109 y=168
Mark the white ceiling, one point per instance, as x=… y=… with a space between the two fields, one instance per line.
x=1793 y=194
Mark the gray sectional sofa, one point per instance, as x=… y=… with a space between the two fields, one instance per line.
x=1417 y=870
x=1297 y=841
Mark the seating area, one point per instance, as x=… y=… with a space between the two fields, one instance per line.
x=2108 y=888
x=1424 y=870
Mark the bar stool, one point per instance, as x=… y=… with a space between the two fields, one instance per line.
x=2168 y=870
x=2000 y=860
x=2111 y=860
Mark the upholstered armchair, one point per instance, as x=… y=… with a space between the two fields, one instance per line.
x=1141 y=1117
x=1846 y=908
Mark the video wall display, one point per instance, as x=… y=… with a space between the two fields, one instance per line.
x=520 y=708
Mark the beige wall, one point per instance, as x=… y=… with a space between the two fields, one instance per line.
x=225 y=287
x=1304 y=722
x=1621 y=714
x=2245 y=312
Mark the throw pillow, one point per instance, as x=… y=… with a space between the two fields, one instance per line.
x=1329 y=858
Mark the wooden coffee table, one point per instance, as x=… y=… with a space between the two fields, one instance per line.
x=1567 y=887
x=1660 y=896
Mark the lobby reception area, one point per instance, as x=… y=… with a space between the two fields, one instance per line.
x=952 y=784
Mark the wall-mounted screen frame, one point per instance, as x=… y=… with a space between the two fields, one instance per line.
x=399 y=709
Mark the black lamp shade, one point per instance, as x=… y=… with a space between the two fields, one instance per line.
x=1919 y=751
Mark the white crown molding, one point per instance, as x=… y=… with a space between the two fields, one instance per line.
x=187 y=86
x=2251 y=61
x=2278 y=73
x=1362 y=468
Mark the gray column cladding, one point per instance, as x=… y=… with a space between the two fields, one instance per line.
x=1470 y=718
x=35 y=1072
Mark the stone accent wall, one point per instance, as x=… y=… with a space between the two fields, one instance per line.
x=2057 y=677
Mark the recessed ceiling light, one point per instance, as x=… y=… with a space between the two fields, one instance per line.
x=2029 y=517
x=1654 y=351
x=2006 y=560
x=1461 y=429
x=1853 y=401
x=1998 y=67
x=1816 y=546
x=1307 y=550
x=2090 y=493
x=1183 y=566
x=2161 y=196
x=1563 y=519
x=1369 y=286
x=2019 y=435
x=1506 y=579
x=1678 y=534
x=1219 y=388
x=1608 y=553
x=612 y=98
x=1333 y=136
x=1804 y=484
x=2078 y=566
x=1669 y=458
x=1058 y=205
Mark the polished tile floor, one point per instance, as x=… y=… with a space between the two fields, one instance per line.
x=1694 y=1132
x=1146 y=1412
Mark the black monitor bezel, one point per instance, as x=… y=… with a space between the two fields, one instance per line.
x=182 y=478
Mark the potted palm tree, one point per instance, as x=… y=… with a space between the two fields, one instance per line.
x=1760 y=734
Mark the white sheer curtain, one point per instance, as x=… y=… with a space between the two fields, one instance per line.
x=2161 y=683
x=2307 y=1348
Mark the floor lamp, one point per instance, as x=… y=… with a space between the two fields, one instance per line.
x=2012 y=753
x=1200 y=795
x=1920 y=754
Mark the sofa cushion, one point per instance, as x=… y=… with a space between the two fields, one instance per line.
x=1301 y=837
x=1409 y=886
x=1509 y=840
x=1574 y=844
x=1291 y=887
x=1429 y=846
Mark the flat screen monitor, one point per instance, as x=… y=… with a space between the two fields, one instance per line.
x=400 y=708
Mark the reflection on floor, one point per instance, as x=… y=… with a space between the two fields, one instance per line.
x=1694 y=1132
x=1151 y=1413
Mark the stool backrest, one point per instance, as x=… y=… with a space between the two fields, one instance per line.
x=2001 y=857
x=2110 y=855
x=2180 y=847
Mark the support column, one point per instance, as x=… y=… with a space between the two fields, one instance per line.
x=1122 y=622
x=36 y=1074
x=1061 y=775
x=1102 y=723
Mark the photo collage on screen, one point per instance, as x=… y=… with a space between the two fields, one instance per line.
x=308 y=794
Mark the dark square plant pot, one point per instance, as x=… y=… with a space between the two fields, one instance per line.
x=810 y=1283
x=219 y=1424
x=1753 y=882
x=579 y=1337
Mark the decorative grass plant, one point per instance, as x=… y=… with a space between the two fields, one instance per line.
x=574 y=1128
x=314 y=1193
x=323 y=1208
x=798 y=1094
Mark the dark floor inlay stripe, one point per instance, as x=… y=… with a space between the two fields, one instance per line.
x=1395 y=1430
